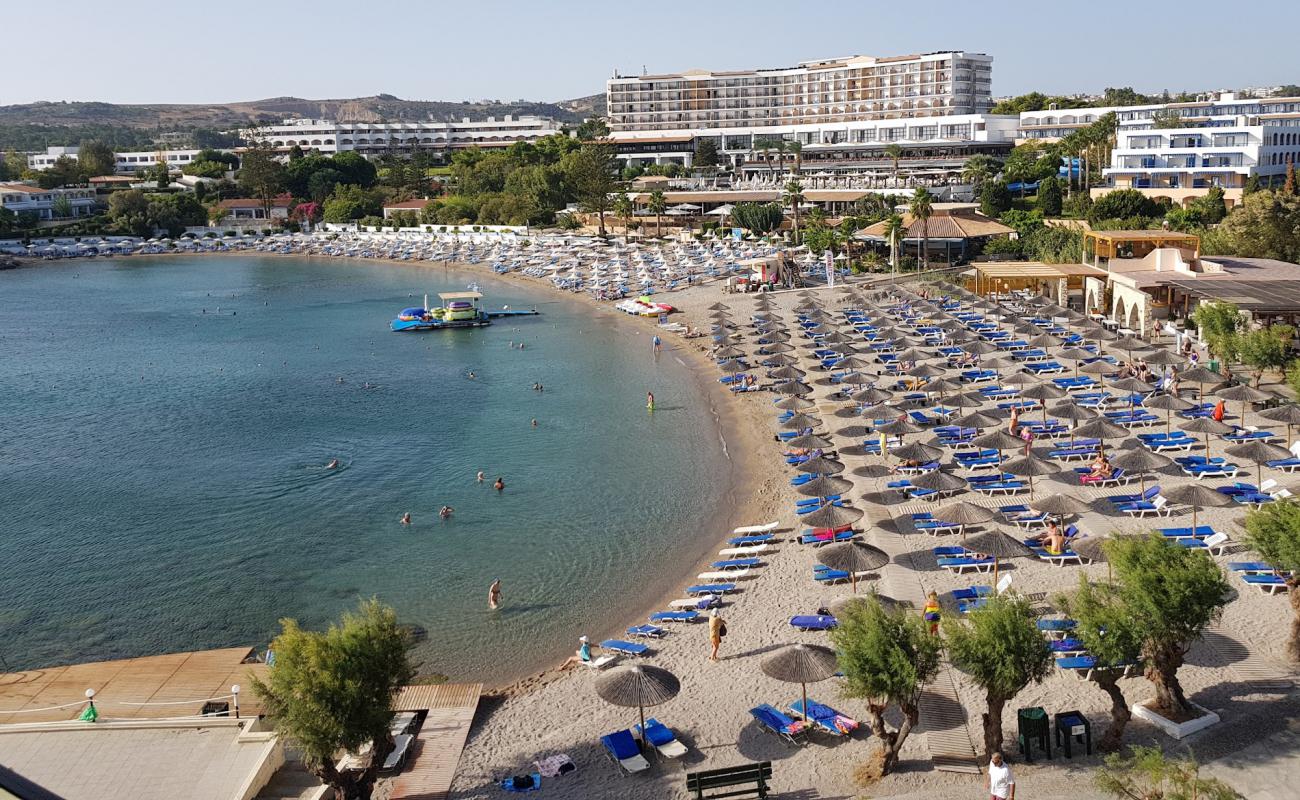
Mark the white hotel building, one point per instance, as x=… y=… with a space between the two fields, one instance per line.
x=1222 y=142
x=403 y=138
x=842 y=111
x=127 y=163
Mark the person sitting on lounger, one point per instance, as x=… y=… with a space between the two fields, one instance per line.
x=582 y=654
x=1052 y=539
x=1101 y=470
x=907 y=462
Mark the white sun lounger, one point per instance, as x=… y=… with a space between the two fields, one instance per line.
x=770 y=526
x=598 y=663
x=724 y=575
x=693 y=602
x=743 y=551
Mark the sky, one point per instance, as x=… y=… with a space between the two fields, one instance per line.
x=148 y=51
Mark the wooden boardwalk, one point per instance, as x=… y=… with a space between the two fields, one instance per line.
x=441 y=739
x=153 y=687
x=1252 y=669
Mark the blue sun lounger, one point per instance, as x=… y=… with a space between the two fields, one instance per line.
x=961 y=564
x=1270 y=584
x=742 y=541
x=711 y=588
x=978 y=375
x=972 y=593
x=1187 y=532
x=811 y=538
x=1074 y=384
x=674 y=616
x=824 y=574
x=627 y=648
x=1243 y=435
x=1057 y=625
x=646 y=631
x=824 y=718
x=1067 y=647
x=623 y=748
x=1261 y=567
x=777 y=722
x=808 y=509
x=661 y=737
x=813 y=622
x=736 y=563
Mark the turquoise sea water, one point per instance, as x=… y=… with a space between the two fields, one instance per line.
x=166 y=423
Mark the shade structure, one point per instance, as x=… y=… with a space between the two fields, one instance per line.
x=852 y=362
x=926 y=371
x=1141 y=461
x=820 y=465
x=1201 y=376
x=998 y=440
x=855 y=378
x=1134 y=387
x=810 y=441
x=1019 y=379
x=917 y=452
x=1289 y=413
x=778 y=360
x=1045 y=340
x=729 y=353
x=1259 y=452
x=979 y=348
x=1092 y=548
x=792 y=387
x=943 y=385
x=997 y=545
x=824 y=486
x=732 y=365
x=799 y=422
x=1101 y=428
x=835 y=337
x=1163 y=357
x=719 y=307
x=1043 y=391
x=794 y=403
x=1097 y=368
x=997 y=363
x=1244 y=393
x=1206 y=425
x=1129 y=344
x=1167 y=403
x=637 y=686
x=853 y=557
x=963 y=513
x=802 y=664
x=775 y=337
x=939 y=481
x=871 y=396
x=841 y=605
x=1075 y=354
x=1198 y=496
x=978 y=419
x=773 y=349
x=913 y=354
x=1072 y=411
x=900 y=426
x=1061 y=505
x=1031 y=466
x=830 y=515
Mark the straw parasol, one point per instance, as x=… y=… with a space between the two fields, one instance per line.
x=729 y=352
x=773 y=349
x=1244 y=393
x=926 y=371
x=963 y=513
x=916 y=451
x=871 y=396
x=852 y=362
x=900 y=427
x=1043 y=392
x=637 y=685
x=1206 y=425
x=802 y=664
x=1167 y=403
x=1163 y=357
x=1259 y=451
x=1289 y=413
x=1201 y=376
x=997 y=545
x=810 y=441
x=1141 y=461
x=719 y=307
x=1031 y=466
x=792 y=387
x=853 y=557
x=979 y=348
x=1101 y=428
x=830 y=515
x=842 y=604
x=821 y=465
x=787 y=373
x=939 y=481
x=794 y=403
x=999 y=440
x=778 y=360
x=1062 y=505
x=1198 y=496
x=800 y=422
x=978 y=419
x=824 y=486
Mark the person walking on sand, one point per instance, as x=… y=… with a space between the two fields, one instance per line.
x=499 y=485
x=658 y=343
x=717 y=629
x=931 y=612
x=1002 y=784
x=494 y=594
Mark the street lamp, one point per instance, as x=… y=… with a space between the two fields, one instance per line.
x=234 y=690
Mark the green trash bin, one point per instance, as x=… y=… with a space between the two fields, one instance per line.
x=1214 y=365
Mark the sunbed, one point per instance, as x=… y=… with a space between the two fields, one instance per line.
x=745 y=541
x=661 y=737
x=1157 y=506
x=1252 y=567
x=711 y=588
x=775 y=721
x=814 y=502
x=962 y=565
x=674 y=616
x=823 y=718
x=1215 y=544
x=736 y=563
x=1249 y=434
x=646 y=631
x=999 y=487
x=1212 y=470
x=622 y=747
x=743 y=551
x=818 y=538
x=1057 y=627
x=1160 y=442
x=1118 y=477
x=701 y=602
x=764 y=528
x=978 y=375
x=724 y=575
x=1044 y=368
x=972 y=593
x=824 y=574
x=999 y=392
x=1199 y=532
x=600 y=661
x=1023 y=405
x=1268 y=584
x=626 y=648
x=927 y=522
x=1119 y=499
x=813 y=622
x=1067 y=647
x=1074 y=384
x=1064 y=558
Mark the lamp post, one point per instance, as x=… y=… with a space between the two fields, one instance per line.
x=234 y=690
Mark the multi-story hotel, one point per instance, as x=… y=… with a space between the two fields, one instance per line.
x=47 y=203
x=843 y=111
x=1221 y=142
x=126 y=163
x=402 y=138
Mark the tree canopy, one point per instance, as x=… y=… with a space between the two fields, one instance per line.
x=1273 y=531
x=758 y=218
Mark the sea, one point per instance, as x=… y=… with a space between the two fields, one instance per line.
x=166 y=425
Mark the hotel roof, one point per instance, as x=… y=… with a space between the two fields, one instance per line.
x=1260 y=297
x=416 y=204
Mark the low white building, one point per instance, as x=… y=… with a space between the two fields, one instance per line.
x=45 y=203
x=126 y=163
x=401 y=138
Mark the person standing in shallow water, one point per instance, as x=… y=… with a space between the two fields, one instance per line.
x=499 y=485
x=494 y=594
x=650 y=401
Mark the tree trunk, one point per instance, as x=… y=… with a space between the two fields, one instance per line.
x=1293 y=645
x=1162 y=671
x=911 y=713
x=993 y=724
x=1108 y=680
x=352 y=785
x=600 y=215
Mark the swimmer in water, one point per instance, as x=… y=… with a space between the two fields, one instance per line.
x=534 y=422
x=406 y=518
x=334 y=464
x=480 y=476
x=472 y=376
x=446 y=511
x=650 y=400
x=499 y=485
x=494 y=593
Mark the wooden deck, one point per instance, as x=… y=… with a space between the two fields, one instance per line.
x=437 y=747
x=181 y=682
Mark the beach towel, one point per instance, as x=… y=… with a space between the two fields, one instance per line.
x=555 y=766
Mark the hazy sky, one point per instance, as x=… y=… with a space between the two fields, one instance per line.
x=191 y=52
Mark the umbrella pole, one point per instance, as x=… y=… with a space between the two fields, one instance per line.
x=804 y=686
x=995 y=574
x=853 y=581
x=1194 y=510
x=641 y=708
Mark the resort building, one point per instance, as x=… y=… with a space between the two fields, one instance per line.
x=47 y=203
x=251 y=208
x=953 y=233
x=401 y=138
x=127 y=163
x=412 y=206
x=842 y=112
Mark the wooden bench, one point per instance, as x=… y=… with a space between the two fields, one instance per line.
x=756 y=774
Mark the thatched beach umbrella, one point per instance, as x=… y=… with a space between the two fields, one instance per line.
x=1163 y=357
x=800 y=421
x=732 y=365
x=778 y=360
x=1133 y=387
x=1244 y=393
x=926 y=371
x=638 y=686
x=1169 y=404
x=810 y=441
x=787 y=373
x=871 y=396
x=1206 y=425
x=831 y=516
x=776 y=348
x=979 y=348
x=1031 y=466
x=802 y=664
x=794 y=403
x=1043 y=392
x=775 y=337
x=1103 y=429
x=939 y=481
x=1201 y=376
x=841 y=605
x=1098 y=368
x=913 y=354
x=998 y=440
x=1077 y=355
x=900 y=427
x=824 y=486
x=853 y=557
x=997 y=545
x=719 y=307
x=1198 y=496
x=916 y=451
x=852 y=362
x=1062 y=505
x=978 y=420
x=729 y=352
x=1289 y=413
x=821 y=465
x=963 y=513
x=792 y=387
x=1259 y=452
x=1141 y=461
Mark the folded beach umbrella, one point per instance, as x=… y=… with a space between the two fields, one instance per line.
x=802 y=664
x=821 y=465
x=916 y=451
x=1141 y=460
x=1031 y=466
x=1259 y=452
x=824 y=486
x=1244 y=393
x=1167 y=403
x=997 y=545
x=637 y=686
x=1206 y=425
x=963 y=513
x=830 y=515
x=853 y=557
x=1289 y=413
x=792 y=387
x=800 y=421
x=939 y=481
x=794 y=403
x=787 y=373
x=1198 y=496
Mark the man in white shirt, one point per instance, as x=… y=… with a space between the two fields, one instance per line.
x=1002 y=785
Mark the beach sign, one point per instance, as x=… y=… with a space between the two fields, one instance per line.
x=737 y=234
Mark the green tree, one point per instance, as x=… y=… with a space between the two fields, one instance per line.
x=62 y=207
x=1264 y=349
x=15 y=163
x=706 y=153
x=159 y=173
x=8 y=221
x=321 y=183
x=995 y=199
x=978 y=170
x=758 y=218
x=205 y=169
x=262 y=175
x=592 y=128
x=895 y=230
x=332 y=691
x=921 y=208
x=174 y=212
x=1212 y=207
x=1049 y=197
x=1113 y=636
x=1149 y=774
x=1265 y=225
x=1175 y=592
x=894 y=152
x=657 y=205
x=62 y=172
x=96 y=158
x=356 y=168
x=1000 y=648
x=129 y=211
x=625 y=209
x=795 y=148
x=350 y=202
x=1163 y=120
x=1273 y=531
x=1125 y=96
x=1219 y=323
x=1123 y=204
x=591 y=173
x=792 y=196
x=887 y=659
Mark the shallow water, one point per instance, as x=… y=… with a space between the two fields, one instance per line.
x=165 y=428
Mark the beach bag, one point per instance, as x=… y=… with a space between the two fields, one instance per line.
x=722 y=629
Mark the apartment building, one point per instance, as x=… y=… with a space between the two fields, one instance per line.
x=126 y=163
x=47 y=203
x=403 y=138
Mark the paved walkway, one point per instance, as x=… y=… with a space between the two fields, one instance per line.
x=1266 y=770
x=437 y=748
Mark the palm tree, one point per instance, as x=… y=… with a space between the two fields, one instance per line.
x=762 y=147
x=895 y=152
x=894 y=230
x=978 y=169
x=778 y=155
x=921 y=208
x=795 y=148
x=658 y=205
x=793 y=196
x=624 y=208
